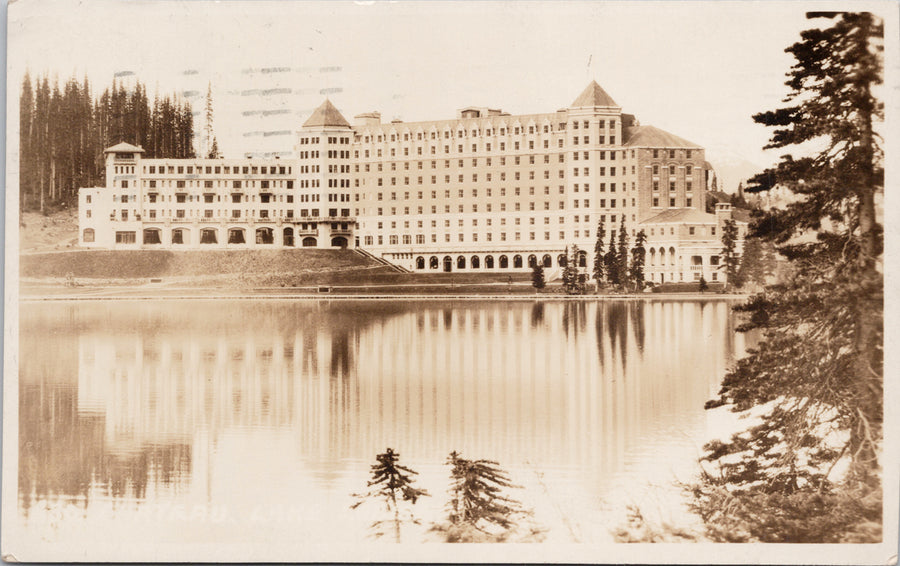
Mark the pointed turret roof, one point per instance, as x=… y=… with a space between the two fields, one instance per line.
x=123 y=147
x=326 y=115
x=593 y=95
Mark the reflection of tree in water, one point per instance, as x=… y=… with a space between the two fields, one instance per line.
x=537 y=314
x=614 y=319
x=62 y=453
x=636 y=315
x=574 y=317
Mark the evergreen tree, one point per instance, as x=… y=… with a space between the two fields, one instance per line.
x=613 y=275
x=27 y=164
x=210 y=149
x=703 y=284
x=599 y=263
x=730 y=258
x=816 y=378
x=63 y=132
x=573 y=282
x=214 y=150
x=622 y=255
x=537 y=276
x=638 y=257
x=477 y=498
x=751 y=268
x=391 y=483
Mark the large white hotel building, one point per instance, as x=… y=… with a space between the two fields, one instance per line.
x=486 y=191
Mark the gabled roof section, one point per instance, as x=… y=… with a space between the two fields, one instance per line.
x=123 y=147
x=650 y=136
x=593 y=95
x=681 y=215
x=326 y=115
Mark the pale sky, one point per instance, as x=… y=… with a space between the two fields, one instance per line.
x=698 y=70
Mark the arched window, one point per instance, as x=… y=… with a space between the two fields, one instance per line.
x=582 y=258
x=532 y=260
x=547 y=261
x=652 y=256
x=433 y=262
x=489 y=262
x=236 y=236
x=420 y=262
x=88 y=235
x=517 y=261
x=308 y=242
x=561 y=260
x=179 y=235
x=448 y=264
x=208 y=236
x=339 y=242
x=671 y=256
x=461 y=262
x=151 y=236
x=289 y=237
x=265 y=236
x=475 y=262
x=504 y=262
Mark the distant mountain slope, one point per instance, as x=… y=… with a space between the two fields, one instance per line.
x=731 y=169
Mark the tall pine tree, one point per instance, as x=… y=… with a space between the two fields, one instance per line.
x=599 y=264
x=638 y=256
x=816 y=378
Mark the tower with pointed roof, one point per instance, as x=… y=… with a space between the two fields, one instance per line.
x=324 y=163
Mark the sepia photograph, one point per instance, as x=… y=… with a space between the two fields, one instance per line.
x=450 y=281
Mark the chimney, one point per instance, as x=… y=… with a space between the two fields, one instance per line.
x=723 y=213
x=367 y=119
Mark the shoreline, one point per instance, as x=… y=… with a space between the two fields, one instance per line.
x=132 y=294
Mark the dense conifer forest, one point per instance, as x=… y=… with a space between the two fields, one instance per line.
x=65 y=128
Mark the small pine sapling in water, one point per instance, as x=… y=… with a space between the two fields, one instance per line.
x=478 y=508
x=391 y=483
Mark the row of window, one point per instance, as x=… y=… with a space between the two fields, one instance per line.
x=218 y=169
x=208 y=184
x=502 y=262
x=489 y=221
x=216 y=214
x=688 y=186
x=488 y=132
x=688 y=202
x=264 y=235
x=331 y=140
x=393 y=240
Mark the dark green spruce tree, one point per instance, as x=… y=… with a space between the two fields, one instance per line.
x=638 y=257
x=809 y=470
x=610 y=263
x=731 y=261
x=621 y=258
x=537 y=276
x=599 y=263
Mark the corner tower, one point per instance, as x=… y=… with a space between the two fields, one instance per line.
x=323 y=159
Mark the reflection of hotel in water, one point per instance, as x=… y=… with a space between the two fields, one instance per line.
x=491 y=380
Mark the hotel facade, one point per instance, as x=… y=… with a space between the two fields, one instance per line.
x=486 y=191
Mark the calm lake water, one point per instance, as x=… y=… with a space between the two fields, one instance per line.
x=194 y=422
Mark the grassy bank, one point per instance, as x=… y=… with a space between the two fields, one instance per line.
x=138 y=264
